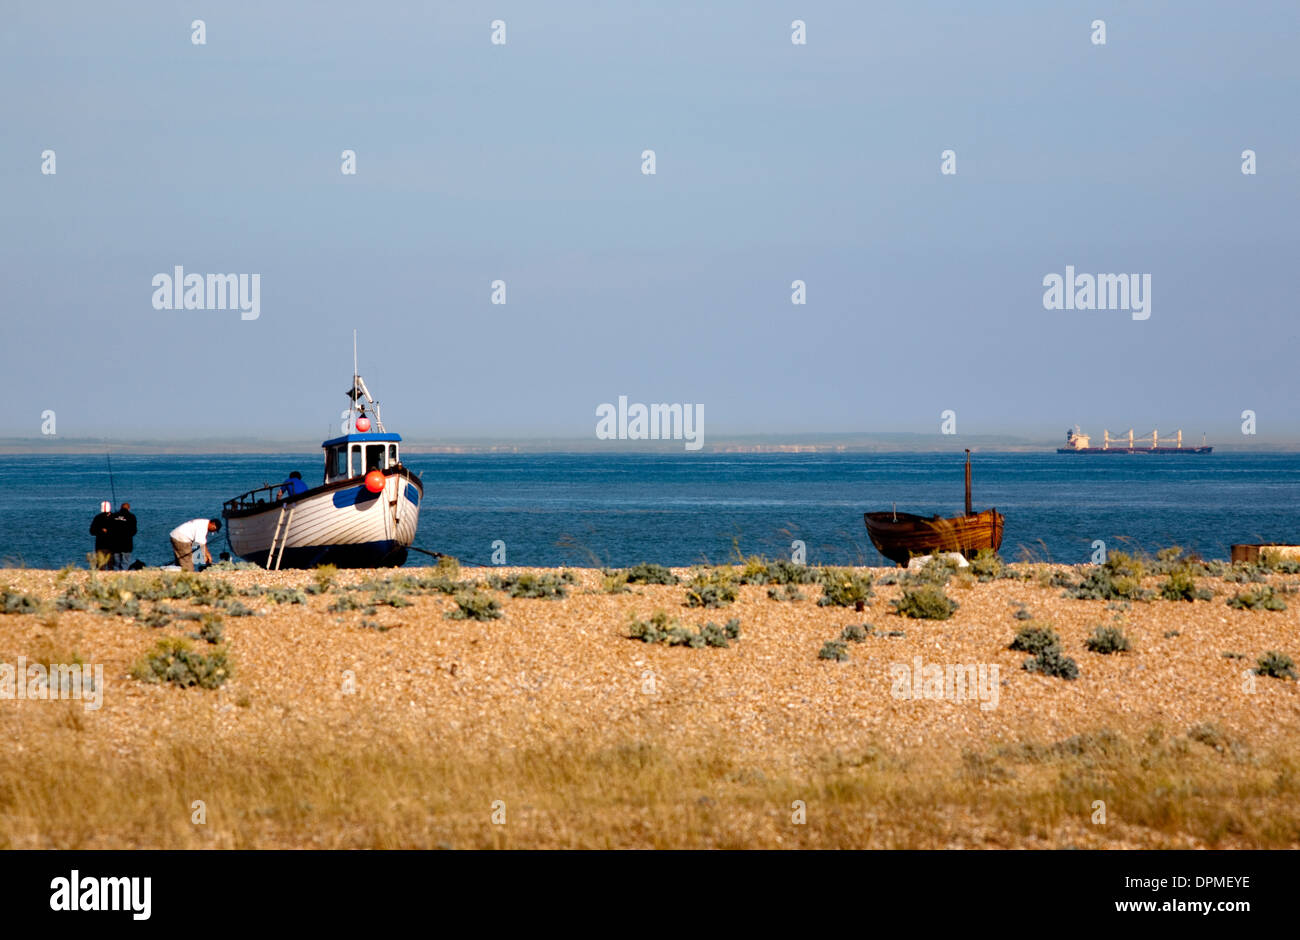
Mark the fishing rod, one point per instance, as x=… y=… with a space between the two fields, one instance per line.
x=112 y=488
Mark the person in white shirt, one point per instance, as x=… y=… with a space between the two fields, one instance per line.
x=188 y=534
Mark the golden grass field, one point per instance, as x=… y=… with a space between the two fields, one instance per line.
x=415 y=730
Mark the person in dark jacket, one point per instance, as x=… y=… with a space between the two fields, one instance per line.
x=123 y=530
x=102 y=528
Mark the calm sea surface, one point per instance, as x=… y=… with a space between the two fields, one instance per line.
x=558 y=509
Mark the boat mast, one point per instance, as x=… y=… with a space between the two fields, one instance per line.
x=968 y=507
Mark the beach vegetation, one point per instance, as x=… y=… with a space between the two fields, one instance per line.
x=1275 y=664
x=1107 y=639
x=1035 y=639
x=174 y=660
x=648 y=573
x=475 y=604
x=1052 y=662
x=1260 y=598
x=927 y=602
x=836 y=650
x=844 y=587
x=671 y=631
x=714 y=587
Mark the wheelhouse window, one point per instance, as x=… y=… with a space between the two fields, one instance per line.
x=375 y=457
x=392 y=455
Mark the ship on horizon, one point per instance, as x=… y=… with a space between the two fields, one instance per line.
x=1076 y=442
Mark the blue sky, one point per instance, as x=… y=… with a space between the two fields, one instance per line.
x=775 y=162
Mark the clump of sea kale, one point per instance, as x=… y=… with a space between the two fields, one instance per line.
x=15 y=602
x=987 y=566
x=844 y=587
x=712 y=588
x=650 y=574
x=1045 y=645
x=1108 y=639
x=856 y=633
x=1260 y=598
x=1275 y=664
x=661 y=628
x=1053 y=662
x=1181 y=586
x=1119 y=578
x=526 y=584
x=475 y=605
x=928 y=602
x=789 y=592
x=174 y=660
x=1035 y=639
x=836 y=650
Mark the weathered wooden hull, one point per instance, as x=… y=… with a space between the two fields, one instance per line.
x=899 y=536
x=338 y=524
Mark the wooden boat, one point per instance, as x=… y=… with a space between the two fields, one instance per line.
x=900 y=535
x=350 y=520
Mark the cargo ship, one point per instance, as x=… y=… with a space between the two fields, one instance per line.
x=1076 y=442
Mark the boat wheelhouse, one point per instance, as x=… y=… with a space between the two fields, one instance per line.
x=364 y=514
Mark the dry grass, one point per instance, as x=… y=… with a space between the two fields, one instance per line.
x=593 y=740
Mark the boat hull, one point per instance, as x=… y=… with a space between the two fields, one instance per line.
x=899 y=536
x=1135 y=450
x=341 y=524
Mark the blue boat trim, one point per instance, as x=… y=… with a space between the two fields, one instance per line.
x=371 y=437
x=380 y=554
x=412 y=494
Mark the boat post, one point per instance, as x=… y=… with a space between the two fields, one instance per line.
x=968 y=507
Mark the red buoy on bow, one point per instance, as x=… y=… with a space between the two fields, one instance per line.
x=375 y=481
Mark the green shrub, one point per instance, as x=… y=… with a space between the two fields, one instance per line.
x=1052 y=662
x=345 y=602
x=661 y=628
x=1022 y=613
x=547 y=585
x=1105 y=584
x=788 y=593
x=650 y=574
x=1275 y=664
x=928 y=602
x=286 y=595
x=448 y=568
x=15 y=602
x=475 y=605
x=389 y=599
x=856 y=633
x=322 y=579
x=174 y=660
x=1181 y=586
x=938 y=569
x=837 y=650
x=1035 y=639
x=787 y=572
x=1245 y=573
x=1107 y=639
x=210 y=630
x=614 y=582
x=715 y=588
x=1260 y=598
x=234 y=608
x=987 y=566
x=844 y=587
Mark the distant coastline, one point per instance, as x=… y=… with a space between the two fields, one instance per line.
x=720 y=444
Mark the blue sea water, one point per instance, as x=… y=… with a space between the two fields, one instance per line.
x=570 y=509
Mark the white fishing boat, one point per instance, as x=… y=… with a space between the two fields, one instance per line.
x=363 y=515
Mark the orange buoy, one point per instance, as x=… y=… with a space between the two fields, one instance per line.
x=363 y=424
x=375 y=481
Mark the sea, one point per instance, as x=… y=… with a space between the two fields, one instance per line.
x=615 y=510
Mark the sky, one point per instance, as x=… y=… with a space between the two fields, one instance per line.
x=774 y=162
